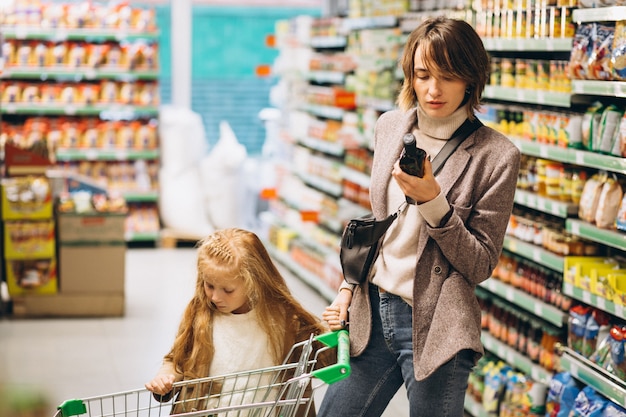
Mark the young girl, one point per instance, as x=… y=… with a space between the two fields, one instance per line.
x=242 y=316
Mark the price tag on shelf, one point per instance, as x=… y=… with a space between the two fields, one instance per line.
x=536 y=255
x=91 y=154
x=538 y=308
x=579 y=157
x=586 y=297
x=121 y=154
x=575 y=228
x=601 y=303
x=619 y=310
x=509 y=294
x=543 y=151
x=541 y=204
x=541 y=98
x=70 y=110
x=574 y=369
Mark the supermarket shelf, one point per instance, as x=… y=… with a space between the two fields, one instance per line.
x=515 y=359
x=535 y=253
x=594 y=300
x=380 y=104
x=599 y=14
x=546 y=205
x=520 y=95
x=355 y=176
x=475 y=408
x=91 y=154
x=330 y=77
x=594 y=376
x=104 y=111
x=77 y=74
x=524 y=44
x=324 y=146
x=571 y=156
x=599 y=88
x=141 y=196
x=142 y=236
x=373 y=22
x=62 y=34
x=329 y=42
x=331 y=188
x=328 y=112
x=588 y=231
x=308 y=277
x=526 y=301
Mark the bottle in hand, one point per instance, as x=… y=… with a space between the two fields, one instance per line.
x=412 y=159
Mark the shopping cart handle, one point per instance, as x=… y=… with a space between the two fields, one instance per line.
x=341 y=369
x=71 y=408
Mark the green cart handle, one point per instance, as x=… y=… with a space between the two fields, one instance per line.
x=341 y=369
x=71 y=408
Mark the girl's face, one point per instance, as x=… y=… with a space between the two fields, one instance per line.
x=228 y=295
x=438 y=96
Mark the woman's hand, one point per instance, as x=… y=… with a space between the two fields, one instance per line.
x=336 y=315
x=422 y=189
x=161 y=384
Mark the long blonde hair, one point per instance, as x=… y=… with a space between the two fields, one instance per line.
x=239 y=253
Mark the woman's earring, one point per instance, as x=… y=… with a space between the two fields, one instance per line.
x=468 y=91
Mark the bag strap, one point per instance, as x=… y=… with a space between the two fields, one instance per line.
x=466 y=129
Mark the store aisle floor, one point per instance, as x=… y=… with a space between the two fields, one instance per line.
x=77 y=358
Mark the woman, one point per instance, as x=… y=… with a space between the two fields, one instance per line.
x=417 y=321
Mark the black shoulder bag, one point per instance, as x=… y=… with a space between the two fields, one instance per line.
x=360 y=237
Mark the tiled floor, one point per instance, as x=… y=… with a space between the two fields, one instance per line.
x=76 y=358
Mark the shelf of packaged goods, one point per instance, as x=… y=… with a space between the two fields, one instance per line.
x=521 y=95
x=66 y=34
x=328 y=42
x=322 y=184
x=613 y=238
x=328 y=112
x=534 y=253
x=90 y=154
x=371 y=22
x=357 y=177
x=380 y=104
x=474 y=408
x=594 y=376
x=324 y=146
x=599 y=14
x=523 y=44
x=141 y=196
x=571 y=156
x=131 y=236
x=599 y=88
x=104 y=111
x=515 y=358
x=594 y=300
x=308 y=277
x=547 y=205
x=78 y=74
x=326 y=77
x=526 y=301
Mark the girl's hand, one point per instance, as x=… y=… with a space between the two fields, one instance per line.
x=422 y=189
x=161 y=384
x=336 y=315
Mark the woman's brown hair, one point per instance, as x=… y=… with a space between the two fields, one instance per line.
x=451 y=48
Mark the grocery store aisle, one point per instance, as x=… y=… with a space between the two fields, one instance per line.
x=76 y=358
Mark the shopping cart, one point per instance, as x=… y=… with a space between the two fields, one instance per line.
x=278 y=391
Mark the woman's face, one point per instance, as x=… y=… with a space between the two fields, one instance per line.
x=437 y=95
x=227 y=294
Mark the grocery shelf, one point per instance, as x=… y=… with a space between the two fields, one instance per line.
x=571 y=155
x=141 y=196
x=475 y=408
x=527 y=44
x=329 y=112
x=544 y=204
x=534 y=253
x=580 y=228
x=355 y=176
x=63 y=34
x=526 y=301
x=515 y=359
x=328 y=42
x=330 y=77
x=594 y=376
x=324 y=146
x=599 y=14
x=521 y=95
x=104 y=111
x=131 y=236
x=308 y=277
x=93 y=154
x=594 y=300
x=78 y=74
x=599 y=88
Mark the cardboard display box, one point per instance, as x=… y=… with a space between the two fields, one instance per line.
x=93 y=269
x=29 y=239
x=91 y=227
x=69 y=305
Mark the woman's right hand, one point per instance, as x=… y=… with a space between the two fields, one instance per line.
x=336 y=314
x=161 y=384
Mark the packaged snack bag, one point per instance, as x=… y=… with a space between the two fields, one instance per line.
x=611 y=196
x=588 y=404
x=562 y=392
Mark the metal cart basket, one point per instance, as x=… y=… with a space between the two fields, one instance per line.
x=279 y=391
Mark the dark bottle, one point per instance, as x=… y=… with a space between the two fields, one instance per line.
x=412 y=159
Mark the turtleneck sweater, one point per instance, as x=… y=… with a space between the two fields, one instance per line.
x=394 y=269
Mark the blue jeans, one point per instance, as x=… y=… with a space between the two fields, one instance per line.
x=387 y=362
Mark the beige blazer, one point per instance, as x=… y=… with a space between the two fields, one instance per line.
x=479 y=181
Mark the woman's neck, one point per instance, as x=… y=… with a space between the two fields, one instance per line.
x=441 y=127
